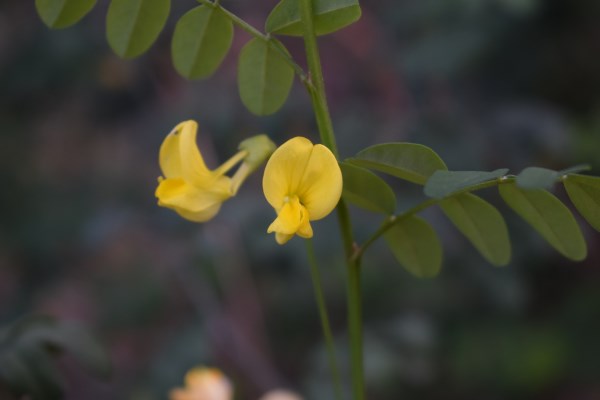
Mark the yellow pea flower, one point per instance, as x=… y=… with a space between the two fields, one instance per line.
x=279 y=394
x=204 y=384
x=303 y=183
x=189 y=187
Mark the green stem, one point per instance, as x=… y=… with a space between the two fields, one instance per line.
x=319 y=101
x=313 y=59
x=394 y=219
x=259 y=35
x=345 y=228
x=316 y=280
x=355 y=328
x=354 y=302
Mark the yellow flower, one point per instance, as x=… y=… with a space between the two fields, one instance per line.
x=189 y=187
x=204 y=384
x=303 y=183
x=280 y=394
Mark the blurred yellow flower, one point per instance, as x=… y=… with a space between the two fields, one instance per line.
x=189 y=187
x=303 y=183
x=280 y=394
x=204 y=384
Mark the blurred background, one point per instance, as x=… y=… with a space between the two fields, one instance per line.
x=485 y=83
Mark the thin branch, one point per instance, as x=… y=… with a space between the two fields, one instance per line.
x=395 y=219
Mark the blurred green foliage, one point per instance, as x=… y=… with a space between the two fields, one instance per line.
x=26 y=351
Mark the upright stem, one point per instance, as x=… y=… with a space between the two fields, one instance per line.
x=355 y=329
x=319 y=100
x=318 y=96
x=320 y=299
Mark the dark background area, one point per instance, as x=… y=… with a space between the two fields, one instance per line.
x=485 y=83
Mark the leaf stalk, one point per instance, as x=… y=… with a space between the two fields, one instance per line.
x=392 y=220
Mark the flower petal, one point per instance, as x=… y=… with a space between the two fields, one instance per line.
x=180 y=157
x=280 y=394
x=168 y=158
x=284 y=170
x=204 y=384
x=289 y=218
x=179 y=394
x=192 y=203
x=321 y=185
x=305 y=230
x=199 y=216
x=282 y=238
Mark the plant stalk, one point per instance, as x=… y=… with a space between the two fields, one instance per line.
x=325 y=126
x=318 y=97
x=355 y=328
x=324 y=315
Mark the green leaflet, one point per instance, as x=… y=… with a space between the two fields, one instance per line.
x=133 y=25
x=201 y=41
x=409 y=161
x=366 y=190
x=416 y=246
x=543 y=178
x=330 y=16
x=549 y=216
x=444 y=183
x=584 y=192
x=537 y=178
x=575 y=169
x=63 y=13
x=482 y=224
x=264 y=77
